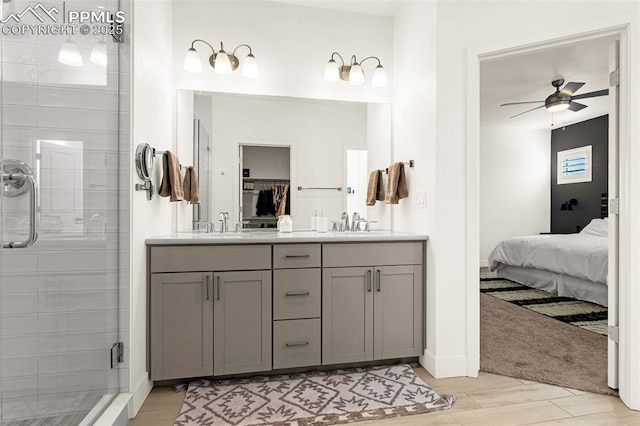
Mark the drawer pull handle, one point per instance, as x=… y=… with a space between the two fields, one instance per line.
x=293 y=344
x=297 y=256
x=306 y=293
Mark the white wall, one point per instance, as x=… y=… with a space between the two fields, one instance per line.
x=152 y=118
x=414 y=137
x=317 y=131
x=379 y=156
x=515 y=187
x=292 y=44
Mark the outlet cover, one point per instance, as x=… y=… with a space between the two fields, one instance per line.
x=420 y=199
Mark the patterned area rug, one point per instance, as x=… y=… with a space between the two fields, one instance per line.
x=317 y=398
x=585 y=315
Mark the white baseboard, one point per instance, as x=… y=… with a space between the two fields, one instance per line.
x=140 y=393
x=484 y=263
x=116 y=413
x=446 y=366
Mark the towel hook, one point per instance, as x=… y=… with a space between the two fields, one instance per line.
x=410 y=163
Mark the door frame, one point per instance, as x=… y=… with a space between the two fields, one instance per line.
x=293 y=196
x=619 y=26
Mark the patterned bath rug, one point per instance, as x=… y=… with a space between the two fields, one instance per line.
x=585 y=315
x=316 y=398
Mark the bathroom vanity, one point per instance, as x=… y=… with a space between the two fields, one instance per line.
x=223 y=304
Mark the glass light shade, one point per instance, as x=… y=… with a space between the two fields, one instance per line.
x=250 y=67
x=379 y=77
x=69 y=54
x=99 y=54
x=356 y=76
x=558 y=107
x=223 y=63
x=192 y=61
x=331 y=72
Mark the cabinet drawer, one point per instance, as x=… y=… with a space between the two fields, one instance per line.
x=370 y=254
x=296 y=293
x=296 y=256
x=296 y=343
x=210 y=258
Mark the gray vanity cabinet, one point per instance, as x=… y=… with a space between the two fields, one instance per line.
x=242 y=322
x=347 y=315
x=181 y=325
x=398 y=314
x=372 y=312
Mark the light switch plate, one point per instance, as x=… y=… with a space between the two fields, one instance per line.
x=420 y=199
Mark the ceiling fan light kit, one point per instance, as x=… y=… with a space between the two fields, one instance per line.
x=562 y=99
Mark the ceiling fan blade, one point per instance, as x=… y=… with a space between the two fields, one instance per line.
x=570 y=88
x=520 y=103
x=533 y=109
x=576 y=106
x=603 y=92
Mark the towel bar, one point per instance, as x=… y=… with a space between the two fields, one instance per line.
x=410 y=163
x=338 y=188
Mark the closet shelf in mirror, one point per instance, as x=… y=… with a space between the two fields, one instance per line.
x=266 y=179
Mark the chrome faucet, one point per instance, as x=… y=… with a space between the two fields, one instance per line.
x=355 y=218
x=223 y=218
x=344 y=219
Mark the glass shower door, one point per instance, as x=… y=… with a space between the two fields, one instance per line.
x=64 y=151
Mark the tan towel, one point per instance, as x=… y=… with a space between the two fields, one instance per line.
x=190 y=186
x=396 y=184
x=375 y=190
x=171 y=184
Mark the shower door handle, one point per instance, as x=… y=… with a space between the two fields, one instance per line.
x=33 y=209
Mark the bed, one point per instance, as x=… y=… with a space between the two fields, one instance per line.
x=571 y=265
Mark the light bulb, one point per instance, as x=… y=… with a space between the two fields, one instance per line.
x=69 y=54
x=558 y=107
x=356 y=76
x=250 y=67
x=192 y=61
x=222 y=63
x=379 y=77
x=99 y=54
x=331 y=72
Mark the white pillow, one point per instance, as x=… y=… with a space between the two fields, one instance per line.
x=597 y=227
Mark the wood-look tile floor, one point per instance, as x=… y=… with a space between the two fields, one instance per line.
x=488 y=400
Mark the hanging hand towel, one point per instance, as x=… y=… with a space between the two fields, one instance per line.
x=171 y=184
x=375 y=190
x=190 y=186
x=396 y=184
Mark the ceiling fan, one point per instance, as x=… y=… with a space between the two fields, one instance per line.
x=562 y=98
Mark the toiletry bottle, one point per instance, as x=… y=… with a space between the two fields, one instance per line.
x=314 y=220
x=322 y=223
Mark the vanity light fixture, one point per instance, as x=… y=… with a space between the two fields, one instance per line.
x=69 y=54
x=353 y=72
x=221 y=61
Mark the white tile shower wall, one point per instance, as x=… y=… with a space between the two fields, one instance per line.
x=55 y=354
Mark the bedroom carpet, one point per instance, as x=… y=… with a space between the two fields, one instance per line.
x=585 y=315
x=521 y=343
x=316 y=398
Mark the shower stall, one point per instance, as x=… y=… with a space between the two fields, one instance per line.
x=64 y=210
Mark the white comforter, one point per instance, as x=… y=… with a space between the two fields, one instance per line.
x=577 y=255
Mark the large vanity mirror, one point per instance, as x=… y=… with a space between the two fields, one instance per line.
x=261 y=156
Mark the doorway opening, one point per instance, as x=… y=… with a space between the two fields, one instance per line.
x=265 y=185
x=476 y=155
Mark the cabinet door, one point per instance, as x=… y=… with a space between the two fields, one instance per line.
x=347 y=315
x=398 y=313
x=242 y=322
x=181 y=325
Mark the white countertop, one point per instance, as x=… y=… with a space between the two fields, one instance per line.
x=274 y=237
